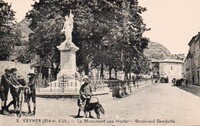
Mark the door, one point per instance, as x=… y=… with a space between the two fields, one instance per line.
x=192 y=80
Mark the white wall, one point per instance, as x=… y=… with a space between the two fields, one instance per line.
x=172 y=70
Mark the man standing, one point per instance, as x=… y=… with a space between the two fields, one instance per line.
x=14 y=89
x=85 y=93
x=133 y=79
x=4 y=89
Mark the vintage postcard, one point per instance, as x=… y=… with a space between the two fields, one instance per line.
x=99 y=62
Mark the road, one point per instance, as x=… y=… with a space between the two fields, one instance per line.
x=154 y=104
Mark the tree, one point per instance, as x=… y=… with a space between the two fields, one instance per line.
x=104 y=30
x=7 y=33
x=46 y=26
x=123 y=31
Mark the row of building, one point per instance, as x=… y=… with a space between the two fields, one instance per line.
x=189 y=69
x=192 y=61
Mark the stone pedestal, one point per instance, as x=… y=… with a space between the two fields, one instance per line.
x=67 y=60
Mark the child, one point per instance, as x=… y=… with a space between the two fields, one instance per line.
x=32 y=92
x=4 y=89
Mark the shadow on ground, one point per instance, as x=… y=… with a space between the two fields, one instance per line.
x=12 y=113
x=76 y=117
x=195 y=90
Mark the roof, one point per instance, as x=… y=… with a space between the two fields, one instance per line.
x=194 y=39
x=191 y=41
x=155 y=61
x=171 y=61
x=188 y=56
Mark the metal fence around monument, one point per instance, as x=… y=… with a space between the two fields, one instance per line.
x=72 y=88
x=66 y=87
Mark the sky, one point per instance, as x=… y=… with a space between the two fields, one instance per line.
x=20 y=7
x=173 y=22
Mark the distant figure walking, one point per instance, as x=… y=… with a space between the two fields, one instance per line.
x=133 y=80
x=174 y=81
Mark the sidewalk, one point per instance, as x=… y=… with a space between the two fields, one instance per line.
x=191 y=88
x=143 y=83
x=139 y=86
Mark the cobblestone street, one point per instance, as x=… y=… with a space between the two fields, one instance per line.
x=153 y=104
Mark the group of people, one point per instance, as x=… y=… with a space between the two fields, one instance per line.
x=11 y=82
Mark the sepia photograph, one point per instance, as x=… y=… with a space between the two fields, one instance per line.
x=99 y=62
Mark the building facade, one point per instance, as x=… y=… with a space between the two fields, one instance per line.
x=171 y=68
x=187 y=69
x=192 y=61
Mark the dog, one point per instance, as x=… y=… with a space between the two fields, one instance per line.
x=95 y=105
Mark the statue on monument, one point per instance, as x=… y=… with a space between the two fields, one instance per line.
x=67 y=28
